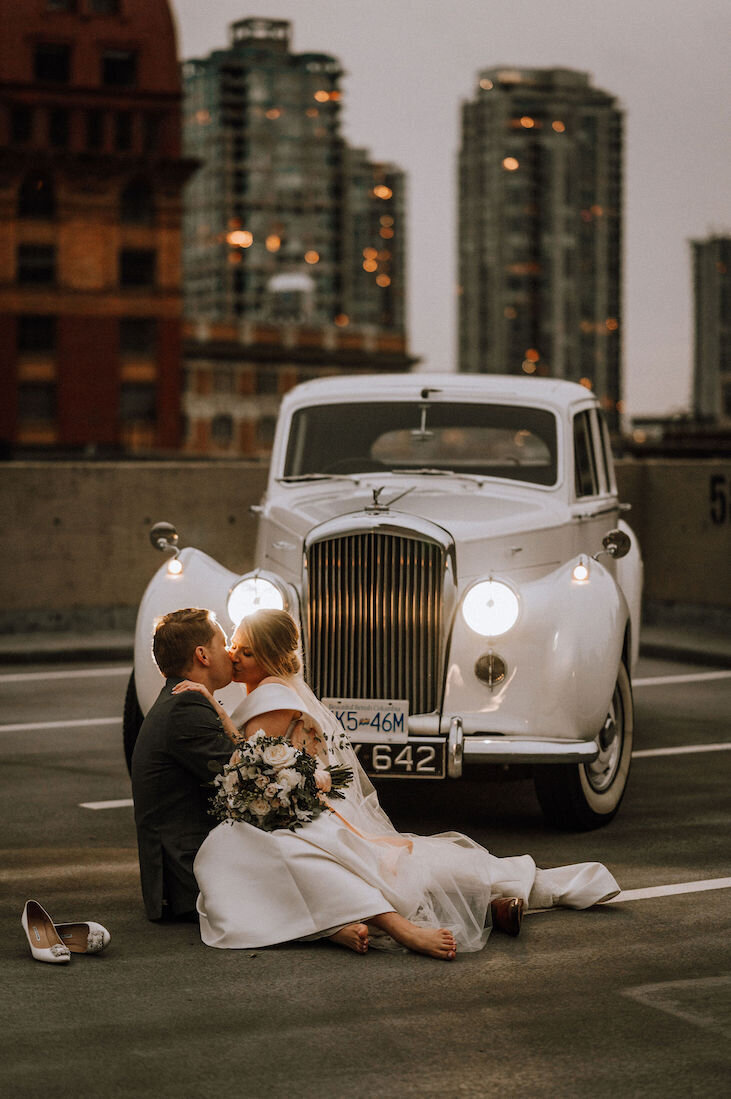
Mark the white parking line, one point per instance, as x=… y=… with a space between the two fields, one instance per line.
x=122 y=803
x=670 y=890
x=84 y=673
x=75 y=723
x=683 y=750
x=669 y=680
x=656 y=891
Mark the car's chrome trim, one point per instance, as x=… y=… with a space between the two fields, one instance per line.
x=503 y=749
x=357 y=522
x=455 y=743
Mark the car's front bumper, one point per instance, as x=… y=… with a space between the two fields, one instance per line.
x=491 y=748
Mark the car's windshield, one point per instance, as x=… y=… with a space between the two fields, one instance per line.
x=492 y=440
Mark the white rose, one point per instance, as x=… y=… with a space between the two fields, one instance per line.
x=323 y=780
x=262 y=782
x=256 y=737
x=288 y=779
x=279 y=755
x=260 y=806
x=272 y=790
x=230 y=782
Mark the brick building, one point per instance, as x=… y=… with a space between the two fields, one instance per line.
x=91 y=176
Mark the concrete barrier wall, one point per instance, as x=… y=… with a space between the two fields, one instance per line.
x=74 y=538
x=75 y=550
x=681 y=513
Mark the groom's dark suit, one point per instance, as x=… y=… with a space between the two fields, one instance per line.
x=170 y=766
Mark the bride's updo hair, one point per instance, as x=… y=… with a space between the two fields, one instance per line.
x=274 y=640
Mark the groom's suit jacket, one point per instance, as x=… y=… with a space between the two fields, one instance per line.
x=179 y=737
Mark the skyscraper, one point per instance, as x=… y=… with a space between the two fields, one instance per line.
x=540 y=222
x=280 y=216
x=90 y=216
x=712 y=328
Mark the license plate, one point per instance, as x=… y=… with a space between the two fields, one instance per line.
x=416 y=759
x=372 y=720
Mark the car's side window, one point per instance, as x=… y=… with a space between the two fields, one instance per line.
x=606 y=452
x=585 y=470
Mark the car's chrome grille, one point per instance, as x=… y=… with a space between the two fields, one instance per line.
x=374 y=618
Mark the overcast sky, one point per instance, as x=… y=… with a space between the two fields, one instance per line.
x=409 y=65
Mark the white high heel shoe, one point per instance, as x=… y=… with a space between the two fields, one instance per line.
x=43 y=939
x=84 y=938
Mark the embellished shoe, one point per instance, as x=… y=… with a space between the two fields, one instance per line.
x=43 y=939
x=84 y=938
x=507 y=915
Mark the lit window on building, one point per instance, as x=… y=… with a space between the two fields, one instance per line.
x=36 y=264
x=52 y=62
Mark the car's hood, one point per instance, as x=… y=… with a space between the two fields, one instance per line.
x=474 y=515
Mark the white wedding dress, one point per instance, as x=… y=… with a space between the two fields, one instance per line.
x=260 y=888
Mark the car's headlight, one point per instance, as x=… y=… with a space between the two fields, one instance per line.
x=255 y=592
x=490 y=608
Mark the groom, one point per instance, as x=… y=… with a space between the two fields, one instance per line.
x=179 y=737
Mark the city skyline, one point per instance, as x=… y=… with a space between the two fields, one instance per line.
x=408 y=69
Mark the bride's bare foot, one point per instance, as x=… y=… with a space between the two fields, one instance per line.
x=424 y=940
x=354 y=936
x=437 y=944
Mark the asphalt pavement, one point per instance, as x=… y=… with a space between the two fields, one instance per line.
x=630 y=999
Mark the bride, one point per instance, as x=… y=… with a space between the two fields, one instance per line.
x=349 y=875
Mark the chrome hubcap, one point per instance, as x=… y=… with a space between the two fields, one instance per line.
x=602 y=772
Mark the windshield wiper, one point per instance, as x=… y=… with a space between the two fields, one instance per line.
x=407 y=471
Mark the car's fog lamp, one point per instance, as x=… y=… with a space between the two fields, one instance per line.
x=490 y=608
x=491 y=669
x=254 y=593
x=580 y=571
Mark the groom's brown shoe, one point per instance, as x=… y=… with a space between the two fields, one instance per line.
x=507 y=915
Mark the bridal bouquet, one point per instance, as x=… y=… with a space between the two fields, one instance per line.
x=271 y=784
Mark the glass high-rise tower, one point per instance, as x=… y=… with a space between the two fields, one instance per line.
x=540 y=230
x=712 y=328
x=283 y=222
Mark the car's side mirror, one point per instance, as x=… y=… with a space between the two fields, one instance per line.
x=616 y=544
x=164 y=537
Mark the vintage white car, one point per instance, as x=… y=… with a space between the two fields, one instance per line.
x=452 y=548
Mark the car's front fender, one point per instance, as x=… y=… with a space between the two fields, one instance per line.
x=561 y=661
x=202 y=582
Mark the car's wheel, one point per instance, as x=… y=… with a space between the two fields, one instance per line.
x=131 y=720
x=588 y=795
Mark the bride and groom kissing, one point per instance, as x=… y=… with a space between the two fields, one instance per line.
x=348 y=876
